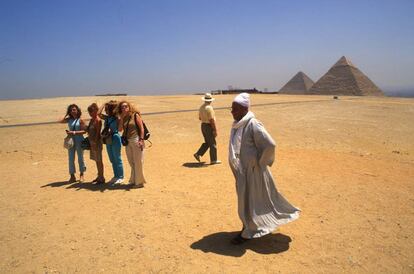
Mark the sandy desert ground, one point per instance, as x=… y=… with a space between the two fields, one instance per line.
x=347 y=163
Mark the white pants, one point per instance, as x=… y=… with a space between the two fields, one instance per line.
x=136 y=160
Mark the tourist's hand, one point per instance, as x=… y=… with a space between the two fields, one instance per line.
x=141 y=144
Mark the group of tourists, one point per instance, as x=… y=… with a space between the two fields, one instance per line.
x=104 y=127
x=261 y=207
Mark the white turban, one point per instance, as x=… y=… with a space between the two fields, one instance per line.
x=243 y=99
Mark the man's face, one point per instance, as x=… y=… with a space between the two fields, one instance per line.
x=238 y=111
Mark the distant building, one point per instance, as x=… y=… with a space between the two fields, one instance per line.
x=238 y=90
x=112 y=94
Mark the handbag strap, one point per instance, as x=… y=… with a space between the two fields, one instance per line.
x=136 y=125
x=74 y=124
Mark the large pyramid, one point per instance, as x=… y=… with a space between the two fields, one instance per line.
x=344 y=78
x=299 y=84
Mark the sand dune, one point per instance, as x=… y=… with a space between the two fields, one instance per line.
x=347 y=163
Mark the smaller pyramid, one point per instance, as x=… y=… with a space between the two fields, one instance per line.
x=299 y=84
x=344 y=78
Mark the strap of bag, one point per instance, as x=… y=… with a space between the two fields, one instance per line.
x=136 y=125
x=74 y=124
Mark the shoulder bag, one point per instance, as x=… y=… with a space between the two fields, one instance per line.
x=68 y=142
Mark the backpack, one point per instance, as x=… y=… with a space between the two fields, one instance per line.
x=147 y=134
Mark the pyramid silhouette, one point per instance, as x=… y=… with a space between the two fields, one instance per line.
x=299 y=84
x=344 y=78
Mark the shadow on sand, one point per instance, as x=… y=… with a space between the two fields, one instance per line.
x=219 y=243
x=195 y=164
x=89 y=186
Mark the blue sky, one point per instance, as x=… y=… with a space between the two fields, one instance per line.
x=71 y=48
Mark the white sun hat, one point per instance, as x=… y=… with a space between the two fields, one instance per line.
x=207 y=98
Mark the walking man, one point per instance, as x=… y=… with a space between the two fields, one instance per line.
x=209 y=130
x=261 y=207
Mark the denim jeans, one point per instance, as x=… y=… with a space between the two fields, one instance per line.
x=71 y=152
x=114 y=154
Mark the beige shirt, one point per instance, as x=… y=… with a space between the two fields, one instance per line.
x=206 y=113
x=130 y=126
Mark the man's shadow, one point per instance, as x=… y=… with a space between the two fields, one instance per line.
x=57 y=184
x=89 y=186
x=195 y=164
x=219 y=243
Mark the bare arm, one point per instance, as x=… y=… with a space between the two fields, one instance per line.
x=78 y=132
x=140 y=124
x=120 y=122
x=64 y=119
x=100 y=114
x=82 y=128
x=98 y=126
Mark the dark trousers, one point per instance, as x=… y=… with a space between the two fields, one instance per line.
x=209 y=142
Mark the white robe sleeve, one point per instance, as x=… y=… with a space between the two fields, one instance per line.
x=265 y=144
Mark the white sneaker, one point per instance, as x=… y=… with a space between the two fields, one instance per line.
x=215 y=162
x=119 y=181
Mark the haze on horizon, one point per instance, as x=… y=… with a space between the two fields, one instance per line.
x=74 y=48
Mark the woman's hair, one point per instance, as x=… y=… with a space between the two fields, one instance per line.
x=132 y=108
x=93 y=107
x=68 y=111
x=110 y=107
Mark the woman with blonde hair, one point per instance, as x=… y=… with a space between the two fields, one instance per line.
x=76 y=130
x=113 y=140
x=133 y=139
x=94 y=135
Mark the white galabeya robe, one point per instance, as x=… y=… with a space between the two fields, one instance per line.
x=261 y=207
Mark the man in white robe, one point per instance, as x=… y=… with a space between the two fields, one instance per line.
x=261 y=207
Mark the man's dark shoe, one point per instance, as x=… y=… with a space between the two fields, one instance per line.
x=197 y=157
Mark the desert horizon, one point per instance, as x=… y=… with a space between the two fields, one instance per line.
x=389 y=92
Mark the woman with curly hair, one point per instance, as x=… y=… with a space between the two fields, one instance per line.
x=133 y=136
x=94 y=135
x=113 y=142
x=76 y=130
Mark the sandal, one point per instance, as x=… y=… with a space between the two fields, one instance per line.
x=99 y=180
x=238 y=240
x=72 y=179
